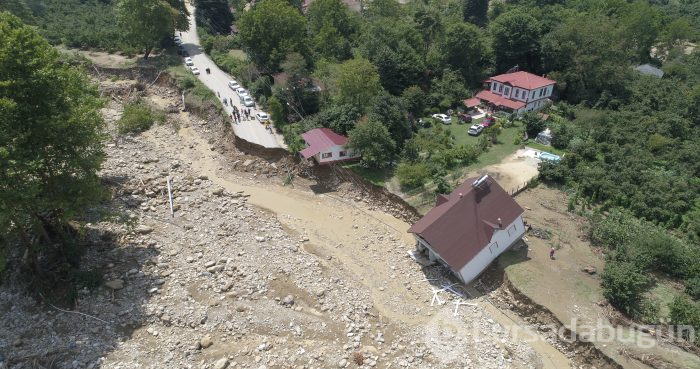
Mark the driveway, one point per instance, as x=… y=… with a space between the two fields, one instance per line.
x=251 y=130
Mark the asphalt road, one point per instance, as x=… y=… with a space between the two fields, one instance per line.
x=217 y=81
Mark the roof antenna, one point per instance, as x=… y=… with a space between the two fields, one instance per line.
x=500 y=223
x=480 y=181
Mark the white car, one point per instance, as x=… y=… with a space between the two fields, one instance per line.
x=195 y=71
x=444 y=118
x=241 y=92
x=262 y=116
x=247 y=101
x=188 y=61
x=233 y=85
x=475 y=130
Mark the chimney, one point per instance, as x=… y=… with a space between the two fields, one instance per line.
x=461 y=195
x=500 y=223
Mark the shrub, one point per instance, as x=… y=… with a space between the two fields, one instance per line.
x=692 y=287
x=685 y=312
x=138 y=117
x=623 y=285
x=412 y=175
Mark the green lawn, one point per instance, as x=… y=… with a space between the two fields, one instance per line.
x=375 y=176
x=549 y=149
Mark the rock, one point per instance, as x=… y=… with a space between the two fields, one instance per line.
x=143 y=229
x=590 y=270
x=203 y=177
x=209 y=264
x=342 y=363
x=320 y=292
x=115 y=284
x=221 y=363
x=206 y=341
x=218 y=192
x=288 y=300
x=260 y=238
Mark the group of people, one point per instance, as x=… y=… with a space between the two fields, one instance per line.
x=236 y=114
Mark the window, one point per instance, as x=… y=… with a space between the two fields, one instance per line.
x=493 y=247
x=326 y=155
x=507 y=91
x=500 y=88
x=343 y=153
x=523 y=94
x=494 y=87
x=511 y=230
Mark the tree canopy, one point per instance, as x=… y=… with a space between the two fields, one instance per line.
x=147 y=22
x=50 y=137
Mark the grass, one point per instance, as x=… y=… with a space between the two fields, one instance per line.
x=375 y=176
x=549 y=149
x=665 y=292
x=496 y=153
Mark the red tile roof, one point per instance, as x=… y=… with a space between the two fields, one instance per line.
x=524 y=80
x=321 y=139
x=470 y=103
x=457 y=229
x=499 y=100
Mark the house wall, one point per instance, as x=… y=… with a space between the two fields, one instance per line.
x=500 y=242
x=516 y=93
x=335 y=155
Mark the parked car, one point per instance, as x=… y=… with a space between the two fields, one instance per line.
x=247 y=101
x=195 y=70
x=465 y=118
x=241 y=92
x=232 y=84
x=488 y=121
x=188 y=61
x=444 y=118
x=475 y=130
x=262 y=116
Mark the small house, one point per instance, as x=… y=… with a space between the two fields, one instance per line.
x=517 y=92
x=470 y=227
x=326 y=147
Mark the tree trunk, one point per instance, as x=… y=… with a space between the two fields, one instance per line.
x=148 y=52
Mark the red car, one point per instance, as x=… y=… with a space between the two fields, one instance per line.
x=488 y=121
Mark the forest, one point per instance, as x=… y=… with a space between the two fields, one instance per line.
x=378 y=71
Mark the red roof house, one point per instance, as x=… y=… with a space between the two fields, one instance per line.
x=326 y=146
x=470 y=227
x=517 y=92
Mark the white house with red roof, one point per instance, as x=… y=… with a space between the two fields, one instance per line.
x=470 y=227
x=326 y=147
x=517 y=92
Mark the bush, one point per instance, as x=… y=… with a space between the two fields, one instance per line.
x=138 y=117
x=412 y=175
x=623 y=285
x=692 y=287
x=685 y=312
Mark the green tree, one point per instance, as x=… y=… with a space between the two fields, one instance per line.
x=475 y=11
x=147 y=22
x=330 y=12
x=430 y=25
x=623 y=285
x=270 y=31
x=330 y=44
x=390 y=110
x=50 y=141
x=533 y=124
x=214 y=15
x=685 y=312
x=465 y=50
x=276 y=111
x=373 y=141
x=516 y=41
x=357 y=83
x=641 y=24
x=414 y=100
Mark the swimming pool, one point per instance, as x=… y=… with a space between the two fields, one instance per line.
x=549 y=156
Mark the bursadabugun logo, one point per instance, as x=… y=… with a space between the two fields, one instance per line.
x=448 y=337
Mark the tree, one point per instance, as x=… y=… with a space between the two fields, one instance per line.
x=465 y=50
x=147 y=22
x=398 y=67
x=357 y=83
x=330 y=12
x=516 y=41
x=373 y=141
x=214 y=15
x=50 y=142
x=448 y=90
x=641 y=24
x=330 y=44
x=414 y=101
x=533 y=124
x=270 y=31
x=475 y=11
x=623 y=285
x=390 y=110
x=430 y=25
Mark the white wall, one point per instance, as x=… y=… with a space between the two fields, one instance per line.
x=500 y=242
x=335 y=154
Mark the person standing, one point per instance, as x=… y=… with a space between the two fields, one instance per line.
x=551 y=253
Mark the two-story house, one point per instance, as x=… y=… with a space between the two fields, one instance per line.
x=517 y=92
